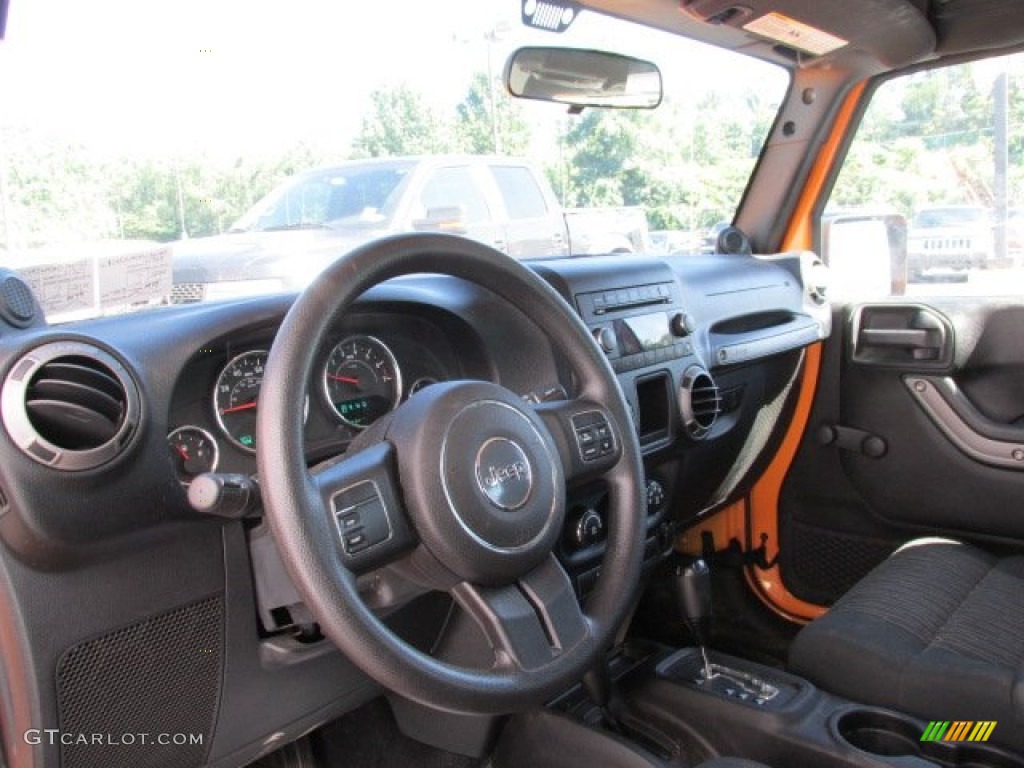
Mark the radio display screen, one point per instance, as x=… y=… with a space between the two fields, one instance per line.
x=643 y=333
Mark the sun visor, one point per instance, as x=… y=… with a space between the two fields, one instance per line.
x=975 y=25
x=894 y=33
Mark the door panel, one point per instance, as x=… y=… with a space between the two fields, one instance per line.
x=937 y=389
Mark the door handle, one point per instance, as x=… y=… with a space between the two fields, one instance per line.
x=898 y=335
x=925 y=343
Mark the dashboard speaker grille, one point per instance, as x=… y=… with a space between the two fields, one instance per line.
x=159 y=677
x=70 y=405
x=17 y=305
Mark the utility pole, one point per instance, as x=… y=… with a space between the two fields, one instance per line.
x=181 y=200
x=492 y=36
x=1001 y=158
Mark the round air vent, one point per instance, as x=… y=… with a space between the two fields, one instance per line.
x=70 y=405
x=699 y=402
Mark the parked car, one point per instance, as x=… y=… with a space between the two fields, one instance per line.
x=671 y=241
x=446 y=507
x=945 y=241
x=301 y=226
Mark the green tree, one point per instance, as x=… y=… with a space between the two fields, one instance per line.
x=400 y=122
x=52 y=191
x=478 y=125
x=601 y=144
x=146 y=200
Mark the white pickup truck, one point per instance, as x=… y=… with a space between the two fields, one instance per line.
x=312 y=218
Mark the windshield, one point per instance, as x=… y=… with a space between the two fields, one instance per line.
x=155 y=153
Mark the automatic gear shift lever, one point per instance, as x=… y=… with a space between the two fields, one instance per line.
x=692 y=588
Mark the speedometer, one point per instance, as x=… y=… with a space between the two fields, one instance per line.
x=235 y=397
x=362 y=380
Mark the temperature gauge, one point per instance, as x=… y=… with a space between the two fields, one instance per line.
x=193 y=452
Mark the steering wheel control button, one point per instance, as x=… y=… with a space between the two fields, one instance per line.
x=503 y=473
x=361 y=517
x=594 y=437
x=355 y=542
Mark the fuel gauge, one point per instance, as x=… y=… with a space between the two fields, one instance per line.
x=193 y=451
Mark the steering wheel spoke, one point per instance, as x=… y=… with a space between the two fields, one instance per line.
x=361 y=496
x=530 y=623
x=587 y=437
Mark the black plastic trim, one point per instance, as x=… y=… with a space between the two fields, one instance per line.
x=965 y=426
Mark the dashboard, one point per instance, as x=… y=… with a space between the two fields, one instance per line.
x=107 y=422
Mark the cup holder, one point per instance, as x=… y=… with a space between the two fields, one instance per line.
x=880 y=732
x=888 y=734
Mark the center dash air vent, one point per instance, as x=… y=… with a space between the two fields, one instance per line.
x=70 y=405
x=699 y=402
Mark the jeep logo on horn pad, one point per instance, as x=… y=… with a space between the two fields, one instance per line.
x=503 y=473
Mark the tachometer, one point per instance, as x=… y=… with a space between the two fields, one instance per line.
x=362 y=380
x=235 y=397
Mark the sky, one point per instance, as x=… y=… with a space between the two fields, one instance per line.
x=236 y=76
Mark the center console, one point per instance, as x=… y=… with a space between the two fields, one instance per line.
x=766 y=714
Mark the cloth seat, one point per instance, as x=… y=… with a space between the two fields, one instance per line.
x=937 y=631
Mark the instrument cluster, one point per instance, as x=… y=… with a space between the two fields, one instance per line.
x=357 y=381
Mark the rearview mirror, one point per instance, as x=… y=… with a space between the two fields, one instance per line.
x=583 y=78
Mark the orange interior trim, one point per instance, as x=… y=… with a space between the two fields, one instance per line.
x=764 y=502
x=800 y=235
x=725 y=525
x=764 y=498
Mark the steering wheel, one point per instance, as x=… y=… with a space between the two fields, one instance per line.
x=463 y=484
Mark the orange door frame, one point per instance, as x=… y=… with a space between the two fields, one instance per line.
x=749 y=518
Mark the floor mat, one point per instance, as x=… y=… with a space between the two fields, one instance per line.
x=369 y=738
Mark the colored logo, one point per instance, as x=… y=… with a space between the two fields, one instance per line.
x=958 y=730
